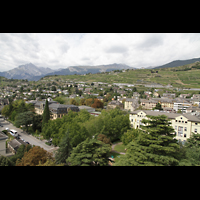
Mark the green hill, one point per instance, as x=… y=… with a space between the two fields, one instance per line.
x=186 y=76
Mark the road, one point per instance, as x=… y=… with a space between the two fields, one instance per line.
x=29 y=138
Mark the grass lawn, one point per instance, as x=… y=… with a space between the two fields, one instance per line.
x=120 y=148
x=116 y=156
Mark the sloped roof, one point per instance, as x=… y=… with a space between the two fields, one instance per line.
x=169 y=115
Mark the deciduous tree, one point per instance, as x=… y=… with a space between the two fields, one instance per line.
x=34 y=156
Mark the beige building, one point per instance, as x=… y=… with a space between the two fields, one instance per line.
x=113 y=104
x=150 y=104
x=184 y=124
x=131 y=104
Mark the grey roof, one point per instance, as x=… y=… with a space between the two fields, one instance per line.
x=85 y=107
x=16 y=143
x=3 y=136
x=169 y=115
x=114 y=102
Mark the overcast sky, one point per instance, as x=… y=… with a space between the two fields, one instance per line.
x=60 y=50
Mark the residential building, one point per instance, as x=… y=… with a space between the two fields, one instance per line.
x=184 y=95
x=169 y=95
x=14 y=144
x=184 y=124
x=135 y=95
x=58 y=110
x=151 y=103
x=181 y=104
x=131 y=104
x=113 y=104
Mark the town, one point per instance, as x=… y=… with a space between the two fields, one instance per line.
x=137 y=100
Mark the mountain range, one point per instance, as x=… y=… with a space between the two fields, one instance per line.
x=33 y=73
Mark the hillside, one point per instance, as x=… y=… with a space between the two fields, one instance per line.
x=177 y=63
x=33 y=73
x=187 y=76
x=26 y=71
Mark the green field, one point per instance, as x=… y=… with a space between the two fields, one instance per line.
x=181 y=78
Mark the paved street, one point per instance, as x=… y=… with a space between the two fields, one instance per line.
x=29 y=138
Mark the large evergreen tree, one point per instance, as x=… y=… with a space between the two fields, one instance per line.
x=192 y=151
x=65 y=148
x=46 y=114
x=154 y=146
x=90 y=152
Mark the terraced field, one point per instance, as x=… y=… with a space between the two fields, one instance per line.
x=185 y=79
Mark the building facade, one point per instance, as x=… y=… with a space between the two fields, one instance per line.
x=57 y=110
x=184 y=124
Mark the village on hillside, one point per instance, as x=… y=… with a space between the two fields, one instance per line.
x=181 y=106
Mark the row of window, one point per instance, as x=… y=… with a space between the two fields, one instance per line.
x=182 y=121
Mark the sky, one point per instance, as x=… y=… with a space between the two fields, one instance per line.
x=61 y=50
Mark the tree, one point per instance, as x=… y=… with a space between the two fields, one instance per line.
x=90 y=152
x=4 y=161
x=130 y=136
x=104 y=139
x=192 y=151
x=53 y=88
x=155 y=145
x=20 y=152
x=65 y=148
x=25 y=119
x=21 y=107
x=37 y=122
x=46 y=114
x=34 y=156
x=77 y=133
x=5 y=111
x=50 y=162
x=60 y=100
x=97 y=104
x=158 y=107
x=73 y=102
x=82 y=101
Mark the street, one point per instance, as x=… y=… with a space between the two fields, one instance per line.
x=29 y=138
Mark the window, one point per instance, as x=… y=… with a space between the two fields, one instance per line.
x=180 y=131
x=181 y=118
x=185 y=122
x=185 y=135
x=179 y=121
x=175 y=127
x=195 y=130
x=131 y=120
x=185 y=129
x=176 y=120
x=196 y=123
x=182 y=121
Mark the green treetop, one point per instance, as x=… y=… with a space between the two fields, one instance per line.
x=46 y=114
x=155 y=145
x=90 y=152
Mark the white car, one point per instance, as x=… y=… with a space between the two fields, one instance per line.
x=13 y=133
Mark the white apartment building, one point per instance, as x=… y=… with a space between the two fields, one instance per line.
x=184 y=124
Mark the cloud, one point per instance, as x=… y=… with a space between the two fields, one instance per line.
x=57 y=50
x=116 y=49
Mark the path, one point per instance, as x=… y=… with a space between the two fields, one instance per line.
x=113 y=146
